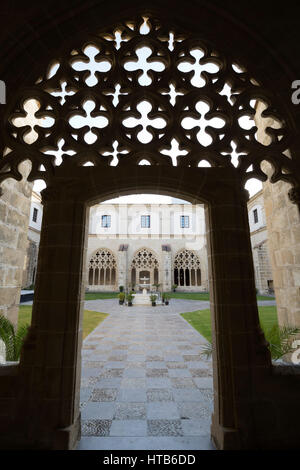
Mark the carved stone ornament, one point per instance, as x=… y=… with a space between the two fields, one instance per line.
x=142 y=91
x=187 y=259
x=144 y=259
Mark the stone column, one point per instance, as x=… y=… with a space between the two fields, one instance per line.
x=122 y=266
x=240 y=353
x=282 y=208
x=51 y=358
x=166 y=268
x=14 y=215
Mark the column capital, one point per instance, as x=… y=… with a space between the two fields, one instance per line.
x=64 y=188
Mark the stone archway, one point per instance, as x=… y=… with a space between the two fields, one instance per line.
x=187 y=269
x=46 y=405
x=144 y=264
x=102 y=270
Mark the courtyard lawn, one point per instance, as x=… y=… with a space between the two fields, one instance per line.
x=190 y=295
x=101 y=295
x=91 y=319
x=200 y=320
x=205 y=296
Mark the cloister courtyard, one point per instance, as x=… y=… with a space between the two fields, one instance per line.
x=146 y=382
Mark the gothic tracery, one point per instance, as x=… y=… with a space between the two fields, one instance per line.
x=132 y=92
x=187 y=269
x=102 y=268
x=144 y=263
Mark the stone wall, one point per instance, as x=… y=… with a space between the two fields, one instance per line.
x=260 y=245
x=283 y=224
x=14 y=213
x=30 y=264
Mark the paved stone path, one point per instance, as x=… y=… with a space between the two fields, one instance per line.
x=144 y=384
x=175 y=306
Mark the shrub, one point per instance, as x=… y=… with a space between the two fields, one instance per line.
x=13 y=340
x=279 y=339
x=129 y=297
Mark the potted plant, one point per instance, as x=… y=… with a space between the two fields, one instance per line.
x=153 y=298
x=166 y=299
x=121 y=296
x=174 y=287
x=121 y=288
x=157 y=286
x=13 y=340
x=129 y=299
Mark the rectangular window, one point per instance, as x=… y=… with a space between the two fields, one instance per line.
x=35 y=214
x=184 y=221
x=105 y=221
x=255 y=216
x=145 y=221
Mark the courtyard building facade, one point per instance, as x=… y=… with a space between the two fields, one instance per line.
x=146 y=244
x=133 y=245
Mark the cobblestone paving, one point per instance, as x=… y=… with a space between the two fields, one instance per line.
x=144 y=384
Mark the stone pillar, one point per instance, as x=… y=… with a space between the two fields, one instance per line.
x=283 y=224
x=51 y=358
x=166 y=268
x=123 y=266
x=14 y=215
x=239 y=348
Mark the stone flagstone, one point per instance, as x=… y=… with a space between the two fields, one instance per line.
x=145 y=378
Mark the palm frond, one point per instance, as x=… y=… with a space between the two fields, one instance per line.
x=280 y=339
x=207 y=350
x=12 y=340
x=19 y=340
x=7 y=334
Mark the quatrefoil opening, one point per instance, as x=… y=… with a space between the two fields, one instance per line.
x=143 y=124
x=89 y=121
x=200 y=124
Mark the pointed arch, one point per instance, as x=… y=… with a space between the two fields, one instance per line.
x=144 y=265
x=102 y=268
x=187 y=268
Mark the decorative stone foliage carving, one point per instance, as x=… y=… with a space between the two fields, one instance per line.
x=187 y=269
x=102 y=268
x=132 y=93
